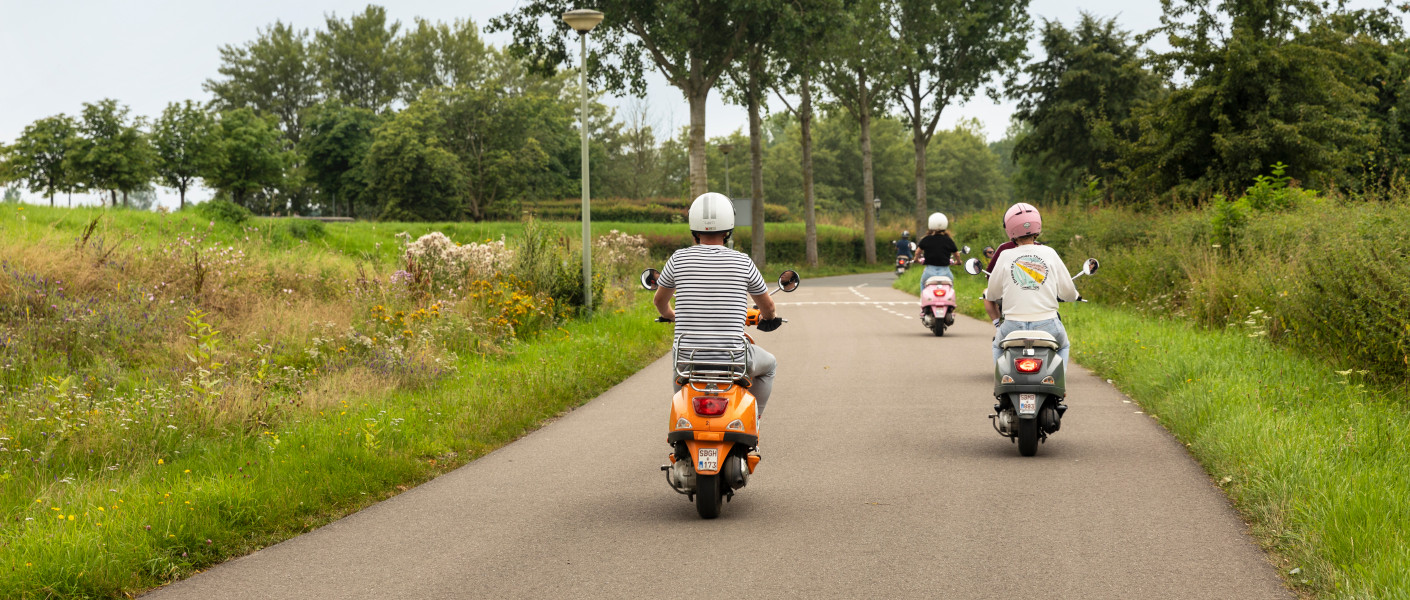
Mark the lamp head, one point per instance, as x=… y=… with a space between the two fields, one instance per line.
x=582 y=20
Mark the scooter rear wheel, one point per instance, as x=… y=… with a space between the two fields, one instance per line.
x=1028 y=437
x=709 y=495
x=938 y=328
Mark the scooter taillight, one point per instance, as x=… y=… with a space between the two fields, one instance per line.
x=710 y=406
x=1028 y=365
x=938 y=292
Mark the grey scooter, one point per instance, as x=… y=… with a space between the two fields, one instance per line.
x=1030 y=381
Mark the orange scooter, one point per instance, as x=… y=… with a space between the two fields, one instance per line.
x=714 y=422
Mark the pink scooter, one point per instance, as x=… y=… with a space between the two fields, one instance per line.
x=937 y=302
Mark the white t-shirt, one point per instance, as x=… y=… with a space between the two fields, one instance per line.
x=1029 y=280
x=713 y=285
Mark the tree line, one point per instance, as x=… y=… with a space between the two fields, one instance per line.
x=371 y=119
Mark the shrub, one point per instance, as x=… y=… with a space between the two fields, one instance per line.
x=223 y=211
x=306 y=229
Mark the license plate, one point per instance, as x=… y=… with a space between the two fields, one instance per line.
x=709 y=459
x=1027 y=404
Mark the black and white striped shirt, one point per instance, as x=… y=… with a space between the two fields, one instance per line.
x=713 y=285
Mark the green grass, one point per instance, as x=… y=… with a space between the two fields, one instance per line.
x=1314 y=458
x=109 y=534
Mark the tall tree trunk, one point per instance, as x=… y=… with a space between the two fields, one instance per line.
x=698 y=184
x=868 y=187
x=183 y=198
x=921 y=206
x=756 y=171
x=113 y=194
x=51 y=198
x=805 y=119
x=125 y=203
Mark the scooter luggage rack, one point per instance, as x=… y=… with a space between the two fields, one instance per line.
x=716 y=365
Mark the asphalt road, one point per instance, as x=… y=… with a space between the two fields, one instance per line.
x=881 y=477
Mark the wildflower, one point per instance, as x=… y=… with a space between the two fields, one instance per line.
x=160 y=461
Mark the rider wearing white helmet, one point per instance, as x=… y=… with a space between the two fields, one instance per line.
x=712 y=285
x=938 y=250
x=1028 y=280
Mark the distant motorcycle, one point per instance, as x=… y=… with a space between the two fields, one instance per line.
x=902 y=261
x=1030 y=381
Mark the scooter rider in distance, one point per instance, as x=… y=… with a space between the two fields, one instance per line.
x=712 y=285
x=1028 y=281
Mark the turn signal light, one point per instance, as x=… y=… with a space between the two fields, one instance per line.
x=710 y=406
x=1028 y=365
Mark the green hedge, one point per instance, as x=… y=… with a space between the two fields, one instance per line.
x=651 y=210
x=785 y=245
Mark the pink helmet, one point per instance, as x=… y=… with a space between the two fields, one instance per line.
x=1022 y=219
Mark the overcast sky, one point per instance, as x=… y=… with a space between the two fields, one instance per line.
x=59 y=54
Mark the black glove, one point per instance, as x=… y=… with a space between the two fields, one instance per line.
x=770 y=324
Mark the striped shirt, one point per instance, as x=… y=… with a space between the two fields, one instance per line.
x=713 y=285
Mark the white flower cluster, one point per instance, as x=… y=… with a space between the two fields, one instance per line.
x=619 y=251
x=444 y=261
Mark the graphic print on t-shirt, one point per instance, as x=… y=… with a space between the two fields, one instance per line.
x=1029 y=272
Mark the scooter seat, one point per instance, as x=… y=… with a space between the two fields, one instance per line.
x=938 y=280
x=1025 y=338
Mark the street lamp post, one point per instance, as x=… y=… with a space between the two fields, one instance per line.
x=583 y=21
x=724 y=149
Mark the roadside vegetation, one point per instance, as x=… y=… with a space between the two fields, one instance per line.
x=177 y=390
x=1276 y=356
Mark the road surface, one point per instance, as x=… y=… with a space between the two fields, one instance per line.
x=881 y=477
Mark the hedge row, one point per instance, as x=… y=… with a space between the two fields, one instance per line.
x=653 y=210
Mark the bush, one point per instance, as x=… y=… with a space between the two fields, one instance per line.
x=306 y=229
x=650 y=210
x=223 y=211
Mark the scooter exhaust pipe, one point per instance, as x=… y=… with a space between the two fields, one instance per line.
x=681 y=476
x=736 y=472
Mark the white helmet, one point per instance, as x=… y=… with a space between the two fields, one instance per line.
x=711 y=212
x=938 y=222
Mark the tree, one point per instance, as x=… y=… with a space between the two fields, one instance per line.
x=1268 y=81
x=504 y=142
x=358 y=61
x=185 y=144
x=1078 y=99
x=804 y=34
x=334 y=150
x=436 y=55
x=275 y=74
x=112 y=153
x=947 y=50
x=691 y=42
x=857 y=76
x=408 y=171
x=42 y=156
x=965 y=175
x=249 y=156
x=749 y=87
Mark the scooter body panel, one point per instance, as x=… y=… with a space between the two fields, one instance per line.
x=1050 y=379
x=710 y=439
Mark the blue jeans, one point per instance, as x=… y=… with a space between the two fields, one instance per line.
x=933 y=271
x=1053 y=326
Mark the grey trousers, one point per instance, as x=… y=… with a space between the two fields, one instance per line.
x=762 y=365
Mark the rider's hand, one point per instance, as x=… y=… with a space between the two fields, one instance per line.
x=770 y=324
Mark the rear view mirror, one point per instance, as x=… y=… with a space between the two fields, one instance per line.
x=788 y=281
x=648 y=278
x=964 y=250
x=971 y=266
x=988 y=252
x=1090 y=266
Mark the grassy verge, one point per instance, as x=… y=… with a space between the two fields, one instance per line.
x=101 y=535
x=1314 y=458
